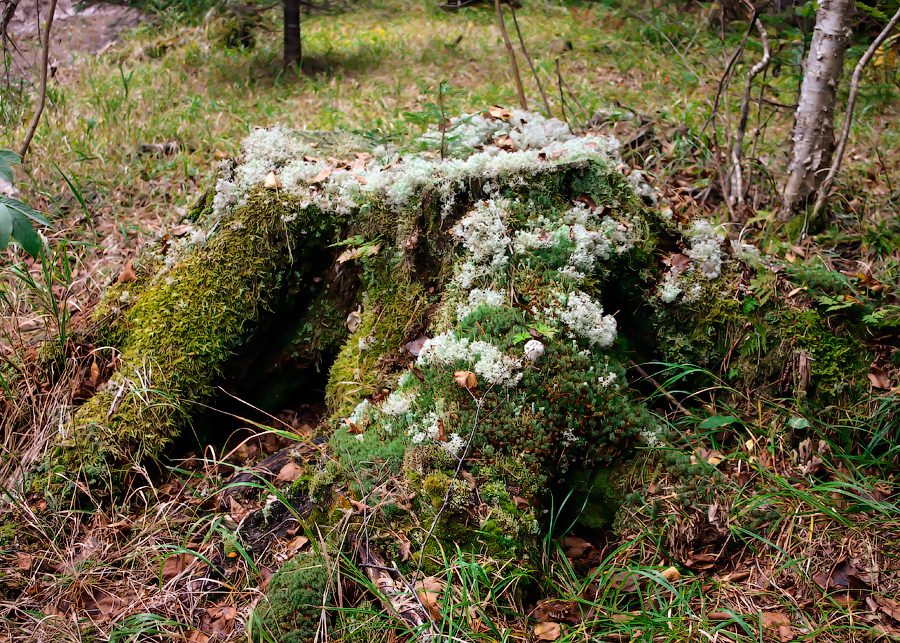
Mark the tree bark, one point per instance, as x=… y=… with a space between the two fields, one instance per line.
x=292 y=43
x=813 y=134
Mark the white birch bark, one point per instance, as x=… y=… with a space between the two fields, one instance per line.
x=813 y=133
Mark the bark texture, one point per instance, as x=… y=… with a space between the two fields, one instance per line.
x=292 y=44
x=813 y=134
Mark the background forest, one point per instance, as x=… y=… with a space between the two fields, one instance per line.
x=765 y=515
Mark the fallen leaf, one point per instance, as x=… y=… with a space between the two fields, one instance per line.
x=547 y=631
x=127 y=275
x=289 y=473
x=680 y=262
x=405 y=547
x=574 y=547
x=237 y=510
x=781 y=621
x=430 y=584
x=505 y=143
x=415 y=346
x=521 y=503
x=671 y=574
x=174 y=565
x=296 y=543
x=624 y=581
x=266 y=575
x=878 y=378
x=24 y=562
x=198 y=636
x=432 y=603
x=842 y=577
x=466 y=379
x=555 y=609
x=354 y=319
x=271 y=181
x=499 y=112
x=321 y=176
x=352 y=428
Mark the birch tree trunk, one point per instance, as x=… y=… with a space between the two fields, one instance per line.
x=813 y=134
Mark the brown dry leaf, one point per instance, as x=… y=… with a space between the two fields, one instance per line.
x=782 y=622
x=521 y=503
x=354 y=319
x=887 y=605
x=174 y=565
x=505 y=143
x=266 y=575
x=321 y=176
x=219 y=620
x=127 y=275
x=237 y=510
x=101 y=609
x=289 y=473
x=431 y=601
x=430 y=584
x=271 y=181
x=360 y=507
x=680 y=262
x=547 y=631
x=466 y=379
x=574 y=547
x=296 y=544
x=352 y=428
x=499 y=112
x=415 y=346
x=878 y=378
x=24 y=562
x=197 y=636
x=671 y=574
x=624 y=581
x=405 y=547
x=843 y=577
x=554 y=609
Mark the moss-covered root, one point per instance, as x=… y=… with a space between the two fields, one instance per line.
x=293 y=608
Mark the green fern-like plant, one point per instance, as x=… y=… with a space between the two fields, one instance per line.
x=15 y=216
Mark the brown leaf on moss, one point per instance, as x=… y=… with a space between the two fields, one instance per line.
x=321 y=176
x=680 y=262
x=500 y=113
x=431 y=601
x=127 y=275
x=466 y=379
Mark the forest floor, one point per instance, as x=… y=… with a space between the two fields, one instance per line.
x=163 y=564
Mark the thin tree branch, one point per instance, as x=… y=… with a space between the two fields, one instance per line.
x=824 y=189
x=562 y=97
x=530 y=63
x=736 y=187
x=512 y=56
x=42 y=92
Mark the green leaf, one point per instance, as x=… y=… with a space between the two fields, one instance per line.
x=6 y=225
x=26 y=211
x=8 y=158
x=718 y=420
x=28 y=238
x=798 y=423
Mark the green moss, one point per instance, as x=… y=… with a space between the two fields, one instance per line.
x=292 y=611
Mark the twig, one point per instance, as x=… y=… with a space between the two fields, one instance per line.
x=530 y=63
x=736 y=188
x=822 y=194
x=42 y=95
x=587 y=118
x=659 y=388
x=562 y=97
x=5 y=18
x=512 y=57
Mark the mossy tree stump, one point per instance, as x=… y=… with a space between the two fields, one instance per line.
x=484 y=306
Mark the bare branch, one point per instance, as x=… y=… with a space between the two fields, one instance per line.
x=537 y=78
x=42 y=92
x=737 y=148
x=512 y=56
